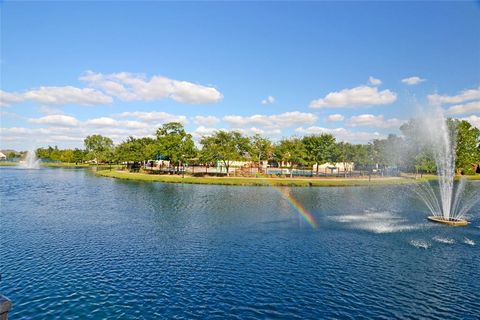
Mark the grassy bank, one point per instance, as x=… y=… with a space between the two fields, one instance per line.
x=245 y=181
x=64 y=165
x=7 y=164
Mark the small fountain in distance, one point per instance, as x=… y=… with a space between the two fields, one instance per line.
x=31 y=161
x=450 y=205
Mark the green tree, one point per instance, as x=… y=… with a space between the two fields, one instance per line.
x=225 y=147
x=261 y=148
x=133 y=149
x=345 y=153
x=175 y=143
x=78 y=155
x=467 y=146
x=99 y=147
x=320 y=149
x=424 y=162
x=67 y=155
x=291 y=151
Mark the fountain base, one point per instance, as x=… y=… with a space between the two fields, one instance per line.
x=450 y=222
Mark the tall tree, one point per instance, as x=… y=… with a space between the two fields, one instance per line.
x=261 y=148
x=99 y=147
x=291 y=151
x=225 y=147
x=320 y=149
x=467 y=147
x=175 y=143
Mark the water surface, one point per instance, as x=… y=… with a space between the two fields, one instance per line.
x=78 y=246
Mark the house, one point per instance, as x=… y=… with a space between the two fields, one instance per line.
x=334 y=167
x=3 y=157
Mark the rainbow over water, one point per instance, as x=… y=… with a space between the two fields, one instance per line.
x=306 y=215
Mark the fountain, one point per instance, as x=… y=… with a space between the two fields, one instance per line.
x=31 y=161
x=450 y=205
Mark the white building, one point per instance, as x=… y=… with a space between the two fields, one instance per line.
x=334 y=167
x=3 y=156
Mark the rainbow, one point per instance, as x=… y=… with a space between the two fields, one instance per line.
x=285 y=193
x=307 y=216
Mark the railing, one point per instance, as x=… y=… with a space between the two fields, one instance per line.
x=5 y=307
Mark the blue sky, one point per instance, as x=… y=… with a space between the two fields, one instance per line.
x=357 y=70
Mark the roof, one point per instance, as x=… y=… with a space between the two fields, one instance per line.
x=2 y=155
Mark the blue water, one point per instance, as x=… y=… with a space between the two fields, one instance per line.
x=77 y=246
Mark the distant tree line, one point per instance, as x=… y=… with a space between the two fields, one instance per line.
x=407 y=153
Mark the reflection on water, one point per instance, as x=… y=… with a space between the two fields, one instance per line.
x=76 y=246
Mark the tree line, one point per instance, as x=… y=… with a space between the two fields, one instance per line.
x=406 y=152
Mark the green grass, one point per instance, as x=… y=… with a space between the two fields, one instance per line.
x=242 y=181
x=7 y=164
x=64 y=165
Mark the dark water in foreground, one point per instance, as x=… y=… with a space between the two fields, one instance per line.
x=76 y=246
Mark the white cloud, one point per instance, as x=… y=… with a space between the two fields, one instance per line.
x=206 y=120
x=469 y=107
x=109 y=122
x=335 y=117
x=413 y=80
x=463 y=96
x=342 y=134
x=155 y=116
x=49 y=110
x=103 y=122
x=271 y=121
x=56 y=119
x=203 y=131
x=374 y=81
x=370 y=120
x=57 y=96
x=354 y=97
x=128 y=87
x=268 y=100
x=474 y=120
x=8 y=98
x=67 y=95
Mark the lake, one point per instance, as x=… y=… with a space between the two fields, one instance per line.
x=77 y=246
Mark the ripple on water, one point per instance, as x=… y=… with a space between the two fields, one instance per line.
x=444 y=240
x=422 y=244
x=376 y=222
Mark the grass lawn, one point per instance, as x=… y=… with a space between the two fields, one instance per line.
x=247 y=181
x=7 y=164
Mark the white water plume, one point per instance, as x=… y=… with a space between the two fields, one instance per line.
x=31 y=161
x=450 y=203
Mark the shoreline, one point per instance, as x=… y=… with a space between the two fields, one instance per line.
x=255 y=181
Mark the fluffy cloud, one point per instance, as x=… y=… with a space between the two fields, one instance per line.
x=335 y=117
x=8 y=98
x=374 y=82
x=128 y=87
x=109 y=122
x=413 y=80
x=463 y=96
x=57 y=96
x=155 y=116
x=203 y=131
x=474 y=120
x=206 y=120
x=469 y=107
x=370 y=120
x=272 y=121
x=67 y=95
x=268 y=100
x=354 y=97
x=56 y=120
x=342 y=134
